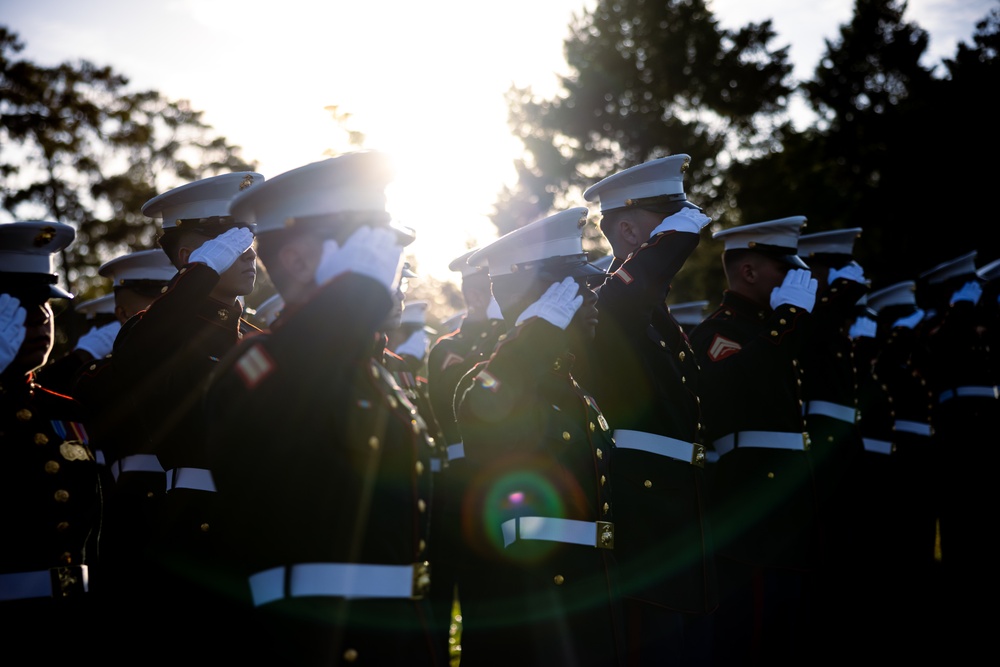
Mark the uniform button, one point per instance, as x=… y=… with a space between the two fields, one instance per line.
x=392 y=402
x=420 y=467
x=683 y=380
x=93 y=366
x=183 y=271
x=557 y=365
x=223 y=314
x=374 y=372
x=558 y=580
x=415 y=425
x=593 y=427
x=483 y=335
x=826 y=298
x=350 y=655
x=52 y=467
x=163 y=290
x=62 y=526
x=24 y=414
x=663 y=343
x=829 y=438
x=648 y=484
x=204 y=527
x=774 y=333
x=421 y=505
x=680 y=355
x=62 y=495
x=600 y=454
x=566 y=435
x=783 y=321
x=41 y=439
x=607 y=508
x=66 y=558
x=770 y=475
x=373 y=442
x=150 y=494
x=604 y=480
x=422 y=545
x=793 y=309
x=603 y=422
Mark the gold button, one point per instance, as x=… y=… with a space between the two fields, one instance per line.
x=41 y=439
x=603 y=480
x=373 y=442
x=420 y=467
x=680 y=355
x=51 y=467
x=62 y=495
x=483 y=335
x=593 y=427
x=663 y=343
x=783 y=321
x=421 y=505
x=603 y=422
x=607 y=508
x=204 y=527
x=393 y=403
x=558 y=580
x=163 y=290
x=150 y=494
x=223 y=314
x=422 y=545
x=793 y=309
x=184 y=270
x=93 y=366
x=557 y=365
x=24 y=414
x=350 y=655
x=415 y=425
x=683 y=380
x=62 y=526
x=566 y=435
x=600 y=454
x=774 y=333
x=770 y=475
x=374 y=372
x=648 y=484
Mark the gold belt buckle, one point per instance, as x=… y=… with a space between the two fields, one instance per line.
x=421 y=580
x=605 y=535
x=68 y=580
x=698 y=455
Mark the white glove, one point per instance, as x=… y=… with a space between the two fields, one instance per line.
x=970 y=291
x=558 y=305
x=851 y=271
x=375 y=253
x=493 y=310
x=797 y=289
x=910 y=321
x=416 y=345
x=685 y=220
x=863 y=327
x=11 y=329
x=222 y=252
x=99 y=340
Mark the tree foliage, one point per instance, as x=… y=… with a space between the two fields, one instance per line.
x=78 y=146
x=649 y=79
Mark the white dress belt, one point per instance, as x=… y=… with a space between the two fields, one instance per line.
x=957 y=392
x=918 y=428
x=343 y=580
x=136 y=463
x=599 y=534
x=456 y=451
x=43 y=583
x=199 y=479
x=844 y=413
x=660 y=444
x=761 y=439
x=877 y=446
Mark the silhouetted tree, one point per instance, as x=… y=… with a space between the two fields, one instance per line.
x=77 y=146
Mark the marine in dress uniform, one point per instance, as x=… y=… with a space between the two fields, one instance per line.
x=956 y=362
x=49 y=484
x=321 y=461
x=830 y=393
x=449 y=358
x=765 y=510
x=901 y=584
x=645 y=376
x=538 y=579
x=161 y=512
x=98 y=316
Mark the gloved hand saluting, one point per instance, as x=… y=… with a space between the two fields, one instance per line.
x=221 y=252
x=910 y=321
x=99 y=341
x=851 y=271
x=415 y=346
x=558 y=305
x=11 y=329
x=375 y=253
x=797 y=289
x=863 y=327
x=970 y=291
x=685 y=220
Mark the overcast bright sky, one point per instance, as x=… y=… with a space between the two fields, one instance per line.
x=423 y=81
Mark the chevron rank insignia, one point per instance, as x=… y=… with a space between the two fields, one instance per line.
x=254 y=366
x=450 y=359
x=722 y=347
